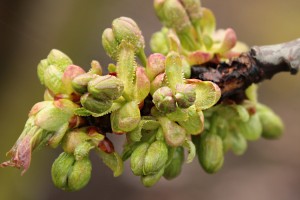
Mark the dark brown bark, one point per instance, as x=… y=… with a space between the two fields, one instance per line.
x=260 y=63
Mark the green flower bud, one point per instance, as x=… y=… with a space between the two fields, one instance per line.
x=126 y=118
x=185 y=95
x=42 y=66
x=58 y=59
x=110 y=43
x=152 y=179
x=148 y=159
x=271 y=124
x=53 y=79
x=210 y=152
x=137 y=159
x=106 y=88
x=155 y=158
x=80 y=83
x=164 y=100
x=69 y=174
x=94 y=105
x=159 y=42
x=172 y=14
x=174 y=168
x=174 y=133
x=238 y=144
x=252 y=129
x=73 y=139
x=155 y=65
x=125 y=28
x=193 y=9
x=186 y=68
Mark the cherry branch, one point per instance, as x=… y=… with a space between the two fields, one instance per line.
x=260 y=63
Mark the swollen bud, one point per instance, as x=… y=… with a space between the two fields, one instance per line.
x=155 y=65
x=159 y=42
x=174 y=133
x=252 y=129
x=185 y=95
x=80 y=83
x=69 y=174
x=271 y=124
x=164 y=100
x=193 y=9
x=94 y=105
x=59 y=59
x=174 y=168
x=210 y=152
x=110 y=43
x=125 y=28
x=126 y=118
x=106 y=88
x=152 y=179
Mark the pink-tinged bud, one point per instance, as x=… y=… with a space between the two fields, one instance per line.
x=155 y=65
x=158 y=82
x=164 y=100
x=174 y=133
x=199 y=57
x=126 y=118
x=142 y=85
x=225 y=40
x=69 y=74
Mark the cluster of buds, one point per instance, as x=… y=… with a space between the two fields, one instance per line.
x=155 y=103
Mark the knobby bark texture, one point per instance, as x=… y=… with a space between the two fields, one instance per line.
x=260 y=63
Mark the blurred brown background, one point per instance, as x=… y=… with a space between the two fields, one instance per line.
x=30 y=29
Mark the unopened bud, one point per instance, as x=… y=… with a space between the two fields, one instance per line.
x=94 y=105
x=159 y=42
x=125 y=28
x=210 y=152
x=155 y=158
x=158 y=82
x=271 y=123
x=79 y=83
x=69 y=174
x=58 y=59
x=193 y=9
x=110 y=43
x=252 y=129
x=174 y=168
x=70 y=73
x=126 y=118
x=152 y=179
x=155 y=65
x=194 y=124
x=185 y=95
x=174 y=133
x=164 y=100
x=106 y=88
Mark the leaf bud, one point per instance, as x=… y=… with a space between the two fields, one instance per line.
x=164 y=100
x=106 y=88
